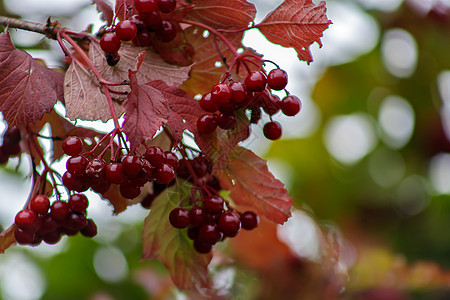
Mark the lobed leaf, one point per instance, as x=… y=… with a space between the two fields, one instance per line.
x=160 y=240
x=252 y=184
x=27 y=89
x=106 y=10
x=297 y=24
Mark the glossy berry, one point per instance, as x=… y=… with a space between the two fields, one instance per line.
x=202 y=247
x=152 y=20
x=76 y=220
x=95 y=169
x=48 y=224
x=129 y=190
x=132 y=164
x=24 y=237
x=179 y=217
x=126 y=30
x=139 y=22
x=249 y=220
x=155 y=155
x=199 y=216
x=74 y=183
x=112 y=58
x=100 y=187
x=146 y=6
x=164 y=173
x=209 y=234
x=166 y=6
x=226 y=121
x=77 y=165
x=207 y=104
x=291 y=105
x=213 y=204
x=90 y=230
x=271 y=105
x=110 y=43
x=229 y=223
x=26 y=220
x=206 y=124
x=166 y=32
x=277 y=79
x=59 y=210
x=40 y=204
x=78 y=203
x=220 y=93
x=147 y=171
x=228 y=108
x=171 y=159
x=272 y=130
x=52 y=238
x=239 y=92
x=192 y=232
x=143 y=39
x=256 y=81
x=114 y=173
x=73 y=145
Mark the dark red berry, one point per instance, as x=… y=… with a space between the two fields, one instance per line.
x=249 y=220
x=209 y=234
x=78 y=203
x=202 y=247
x=77 y=165
x=74 y=183
x=114 y=173
x=146 y=6
x=255 y=115
x=26 y=220
x=139 y=22
x=166 y=6
x=221 y=93
x=69 y=231
x=226 y=121
x=207 y=104
x=201 y=165
x=179 y=217
x=40 y=204
x=171 y=159
x=95 y=169
x=143 y=39
x=4 y=156
x=152 y=20
x=164 y=173
x=12 y=136
x=76 y=220
x=213 y=204
x=90 y=230
x=48 y=224
x=239 y=92
x=148 y=200
x=192 y=232
x=11 y=149
x=52 y=237
x=132 y=164
x=73 y=145
x=101 y=187
x=256 y=81
x=271 y=105
x=229 y=223
x=206 y=124
x=59 y=210
x=129 y=190
x=277 y=79
x=199 y=216
x=126 y=30
x=147 y=171
x=112 y=58
x=166 y=32
x=272 y=130
x=228 y=108
x=291 y=105
x=155 y=155
x=24 y=237
x=110 y=43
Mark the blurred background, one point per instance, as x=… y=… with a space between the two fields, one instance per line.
x=367 y=163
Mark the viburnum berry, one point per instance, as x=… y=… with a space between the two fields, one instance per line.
x=256 y=81
x=202 y=247
x=114 y=173
x=213 y=204
x=24 y=237
x=77 y=165
x=239 y=92
x=277 y=79
x=143 y=39
x=146 y=6
x=95 y=169
x=26 y=220
x=171 y=159
x=74 y=183
x=229 y=223
x=226 y=121
x=207 y=104
x=166 y=6
x=126 y=30
x=110 y=43
x=272 y=130
x=72 y=145
x=220 y=93
x=209 y=234
x=139 y=22
x=101 y=186
x=152 y=20
x=129 y=190
x=78 y=203
x=90 y=230
x=199 y=216
x=52 y=237
x=155 y=155
x=59 y=210
x=255 y=115
x=11 y=136
x=249 y=220
x=166 y=32
x=206 y=124
x=271 y=105
x=76 y=220
x=291 y=105
x=40 y=204
x=179 y=217
x=164 y=173
x=132 y=164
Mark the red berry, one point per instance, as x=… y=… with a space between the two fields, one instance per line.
x=24 y=237
x=110 y=43
x=221 y=93
x=101 y=187
x=226 y=121
x=26 y=220
x=73 y=145
x=272 y=130
x=90 y=230
x=166 y=32
x=171 y=159
x=59 y=210
x=112 y=58
x=11 y=136
x=213 y=204
x=146 y=6
x=147 y=171
x=132 y=164
x=129 y=190
x=201 y=166
x=291 y=105
x=40 y=204
x=206 y=124
x=95 y=169
x=164 y=173
x=139 y=22
x=52 y=237
x=126 y=30
x=78 y=203
x=199 y=216
x=148 y=200
x=76 y=221
x=77 y=165
x=209 y=234
x=48 y=224
x=249 y=220
x=75 y=183
x=256 y=81
x=239 y=92
x=114 y=173
x=271 y=105
x=166 y=6
x=202 y=247
x=143 y=39
x=229 y=223
x=179 y=217
x=277 y=79
x=228 y=108
x=152 y=20
x=207 y=104
x=155 y=155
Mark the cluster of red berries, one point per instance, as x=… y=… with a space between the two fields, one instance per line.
x=141 y=28
x=130 y=172
x=36 y=223
x=208 y=222
x=11 y=144
x=253 y=94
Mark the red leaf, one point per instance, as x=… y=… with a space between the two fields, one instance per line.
x=27 y=88
x=7 y=239
x=146 y=110
x=105 y=9
x=182 y=107
x=251 y=184
x=230 y=14
x=121 y=7
x=296 y=23
x=160 y=240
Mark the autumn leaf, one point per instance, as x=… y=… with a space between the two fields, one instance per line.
x=160 y=240
x=106 y=10
x=252 y=185
x=27 y=88
x=297 y=24
x=230 y=14
x=183 y=109
x=7 y=239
